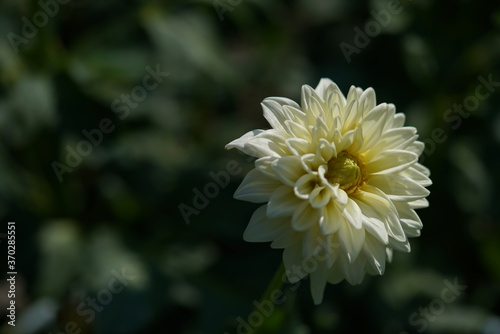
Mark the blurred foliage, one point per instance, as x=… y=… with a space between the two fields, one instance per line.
x=118 y=208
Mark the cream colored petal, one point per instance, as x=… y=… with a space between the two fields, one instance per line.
x=286 y=239
x=398 y=120
x=262 y=229
x=374 y=124
x=319 y=197
x=419 y=204
x=288 y=169
x=318 y=283
x=297 y=130
x=267 y=143
x=326 y=150
x=422 y=169
x=353 y=214
x=292 y=259
x=368 y=101
x=417 y=147
x=311 y=103
x=398 y=187
x=331 y=219
x=417 y=176
x=351 y=241
x=305 y=185
x=401 y=246
x=353 y=272
x=350 y=119
x=378 y=201
x=399 y=138
x=283 y=202
x=325 y=87
x=391 y=161
x=409 y=219
x=375 y=255
x=299 y=146
x=310 y=241
x=264 y=165
x=256 y=187
x=304 y=217
x=241 y=142
x=311 y=162
x=372 y=222
x=274 y=114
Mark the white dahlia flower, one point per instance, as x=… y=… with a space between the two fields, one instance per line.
x=340 y=181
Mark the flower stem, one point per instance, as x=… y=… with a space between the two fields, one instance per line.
x=276 y=284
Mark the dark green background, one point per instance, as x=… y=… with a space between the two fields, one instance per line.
x=119 y=207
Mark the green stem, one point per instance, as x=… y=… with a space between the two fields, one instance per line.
x=275 y=284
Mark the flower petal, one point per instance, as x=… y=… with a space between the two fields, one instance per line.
x=331 y=219
x=398 y=187
x=392 y=161
x=288 y=169
x=305 y=185
x=256 y=187
x=292 y=258
x=304 y=217
x=262 y=229
x=283 y=202
x=351 y=241
x=318 y=283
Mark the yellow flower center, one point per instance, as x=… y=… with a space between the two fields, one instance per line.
x=347 y=171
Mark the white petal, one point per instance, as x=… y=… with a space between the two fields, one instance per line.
x=374 y=252
x=392 y=161
x=399 y=120
x=297 y=130
x=417 y=147
x=331 y=219
x=283 y=202
x=372 y=222
x=299 y=146
x=288 y=169
x=402 y=246
x=409 y=219
x=286 y=239
x=368 y=101
x=256 y=187
x=310 y=241
x=374 y=124
x=422 y=169
x=267 y=143
x=264 y=165
x=262 y=229
x=383 y=206
x=351 y=241
x=274 y=114
x=304 y=217
x=353 y=272
x=305 y=185
x=419 y=204
x=319 y=197
x=326 y=150
x=324 y=86
x=318 y=283
x=353 y=214
x=241 y=142
x=398 y=187
x=417 y=176
x=399 y=138
x=292 y=258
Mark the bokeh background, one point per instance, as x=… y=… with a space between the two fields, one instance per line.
x=116 y=212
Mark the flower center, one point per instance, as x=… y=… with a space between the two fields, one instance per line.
x=345 y=170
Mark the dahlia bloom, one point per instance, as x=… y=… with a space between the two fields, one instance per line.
x=340 y=181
